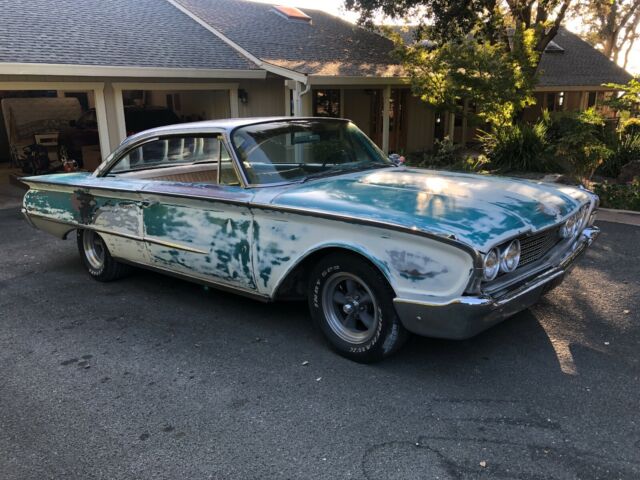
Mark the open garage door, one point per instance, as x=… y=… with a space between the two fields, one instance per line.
x=146 y=106
x=52 y=127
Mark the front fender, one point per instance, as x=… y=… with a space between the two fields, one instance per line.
x=415 y=266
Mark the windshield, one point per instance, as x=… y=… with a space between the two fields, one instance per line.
x=296 y=150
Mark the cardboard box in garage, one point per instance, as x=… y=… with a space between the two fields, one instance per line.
x=91 y=157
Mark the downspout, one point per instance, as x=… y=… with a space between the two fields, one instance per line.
x=298 y=92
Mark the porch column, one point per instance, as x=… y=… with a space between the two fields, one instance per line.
x=452 y=126
x=233 y=102
x=386 y=100
x=103 y=125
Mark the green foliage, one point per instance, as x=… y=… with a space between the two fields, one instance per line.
x=631 y=126
x=520 y=147
x=630 y=99
x=625 y=148
x=578 y=140
x=447 y=156
x=499 y=81
x=483 y=51
x=625 y=197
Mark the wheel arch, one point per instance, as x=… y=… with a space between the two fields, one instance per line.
x=292 y=285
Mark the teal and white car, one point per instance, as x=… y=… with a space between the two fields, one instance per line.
x=310 y=208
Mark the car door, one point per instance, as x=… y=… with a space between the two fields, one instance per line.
x=197 y=221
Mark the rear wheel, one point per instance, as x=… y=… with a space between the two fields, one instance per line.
x=352 y=304
x=97 y=259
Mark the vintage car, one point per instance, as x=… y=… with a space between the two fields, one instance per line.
x=310 y=208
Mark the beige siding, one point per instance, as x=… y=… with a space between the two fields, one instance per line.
x=420 y=123
x=265 y=98
x=357 y=108
x=572 y=101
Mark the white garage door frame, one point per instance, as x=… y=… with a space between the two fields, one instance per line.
x=98 y=98
x=118 y=88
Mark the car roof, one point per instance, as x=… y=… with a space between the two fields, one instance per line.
x=226 y=125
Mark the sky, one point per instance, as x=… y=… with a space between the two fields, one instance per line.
x=336 y=7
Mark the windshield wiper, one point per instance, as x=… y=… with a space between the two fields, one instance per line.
x=338 y=171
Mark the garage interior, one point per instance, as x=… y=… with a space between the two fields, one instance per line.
x=37 y=125
x=54 y=130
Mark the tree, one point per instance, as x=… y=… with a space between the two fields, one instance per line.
x=629 y=100
x=486 y=74
x=447 y=19
x=611 y=25
x=483 y=51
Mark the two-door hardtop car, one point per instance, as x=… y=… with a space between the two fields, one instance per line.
x=285 y=208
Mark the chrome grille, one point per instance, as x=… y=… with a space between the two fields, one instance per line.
x=533 y=247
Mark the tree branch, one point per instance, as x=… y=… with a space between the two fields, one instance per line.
x=553 y=31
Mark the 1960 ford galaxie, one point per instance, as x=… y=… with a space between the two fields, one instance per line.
x=283 y=208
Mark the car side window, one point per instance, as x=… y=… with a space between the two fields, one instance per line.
x=188 y=159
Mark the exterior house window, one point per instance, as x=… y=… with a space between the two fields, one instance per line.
x=555 y=101
x=591 y=99
x=326 y=103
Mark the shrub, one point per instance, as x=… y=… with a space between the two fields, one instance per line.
x=625 y=148
x=578 y=140
x=631 y=126
x=625 y=196
x=447 y=156
x=520 y=147
x=444 y=154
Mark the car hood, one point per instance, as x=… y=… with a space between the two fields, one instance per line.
x=479 y=210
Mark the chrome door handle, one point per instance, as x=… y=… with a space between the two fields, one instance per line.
x=148 y=203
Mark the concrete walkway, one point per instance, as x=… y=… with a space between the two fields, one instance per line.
x=619 y=216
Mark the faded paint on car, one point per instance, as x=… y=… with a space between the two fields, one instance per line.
x=243 y=237
x=480 y=211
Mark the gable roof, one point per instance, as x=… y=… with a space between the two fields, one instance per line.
x=327 y=45
x=579 y=64
x=138 y=33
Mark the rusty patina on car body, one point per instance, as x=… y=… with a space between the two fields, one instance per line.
x=426 y=231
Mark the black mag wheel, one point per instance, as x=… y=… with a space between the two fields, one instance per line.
x=352 y=304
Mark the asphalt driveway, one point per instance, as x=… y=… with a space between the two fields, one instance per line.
x=151 y=377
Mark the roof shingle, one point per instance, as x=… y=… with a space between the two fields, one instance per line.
x=578 y=65
x=326 y=46
x=135 y=33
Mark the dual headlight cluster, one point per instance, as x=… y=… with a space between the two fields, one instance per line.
x=502 y=259
x=506 y=258
x=575 y=223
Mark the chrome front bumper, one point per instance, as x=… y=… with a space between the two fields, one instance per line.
x=467 y=316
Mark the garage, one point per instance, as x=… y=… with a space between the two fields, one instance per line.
x=52 y=127
x=141 y=106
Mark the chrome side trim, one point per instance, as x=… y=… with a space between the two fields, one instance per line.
x=129 y=236
x=177 y=246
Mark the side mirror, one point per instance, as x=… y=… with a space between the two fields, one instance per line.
x=397 y=160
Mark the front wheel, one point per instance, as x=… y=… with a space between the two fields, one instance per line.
x=97 y=259
x=352 y=304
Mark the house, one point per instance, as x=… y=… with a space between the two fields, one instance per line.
x=218 y=58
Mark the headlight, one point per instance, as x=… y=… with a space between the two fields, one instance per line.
x=510 y=257
x=491 y=264
x=584 y=217
x=568 y=228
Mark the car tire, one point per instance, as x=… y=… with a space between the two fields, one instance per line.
x=97 y=259
x=352 y=304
